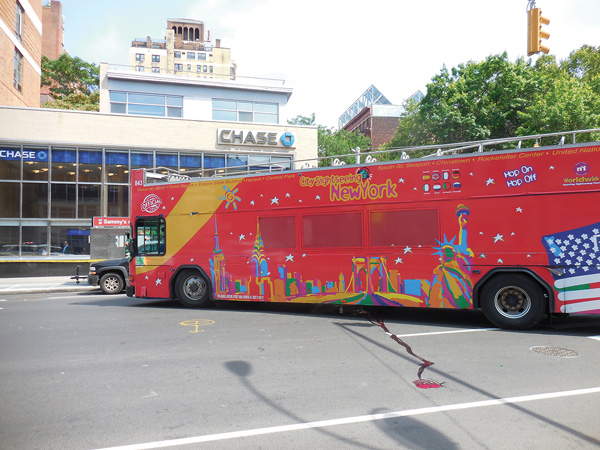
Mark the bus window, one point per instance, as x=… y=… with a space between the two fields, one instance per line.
x=332 y=230
x=151 y=236
x=416 y=227
x=278 y=232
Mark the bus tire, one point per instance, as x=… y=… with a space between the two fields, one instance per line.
x=513 y=301
x=192 y=289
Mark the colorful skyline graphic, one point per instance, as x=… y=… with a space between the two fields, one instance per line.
x=366 y=280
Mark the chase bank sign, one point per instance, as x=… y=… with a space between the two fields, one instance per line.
x=8 y=154
x=269 y=139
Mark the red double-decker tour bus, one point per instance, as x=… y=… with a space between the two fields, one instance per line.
x=515 y=233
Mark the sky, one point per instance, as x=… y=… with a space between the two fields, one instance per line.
x=331 y=51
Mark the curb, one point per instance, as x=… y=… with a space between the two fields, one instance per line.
x=49 y=290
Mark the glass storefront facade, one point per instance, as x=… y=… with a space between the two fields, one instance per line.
x=49 y=194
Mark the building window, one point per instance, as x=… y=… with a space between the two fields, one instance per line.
x=189 y=67
x=139 y=57
x=139 y=68
x=155 y=58
x=18 y=72
x=179 y=67
x=191 y=55
x=243 y=111
x=146 y=104
x=210 y=69
x=198 y=69
x=19 y=21
x=202 y=56
x=177 y=54
x=204 y=69
x=156 y=70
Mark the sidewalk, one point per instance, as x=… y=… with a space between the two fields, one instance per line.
x=38 y=285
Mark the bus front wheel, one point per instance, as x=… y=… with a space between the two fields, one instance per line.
x=513 y=301
x=192 y=289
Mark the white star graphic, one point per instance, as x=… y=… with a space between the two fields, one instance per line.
x=407 y=250
x=551 y=167
x=498 y=237
x=147 y=278
x=289 y=258
x=304 y=255
x=489 y=181
x=519 y=209
x=252 y=202
x=401 y=180
x=275 y=200
x=500 y=261
x=399 y=260
x=318 y=197
x=158 y=281
x=288 y=195
x=482 y=255
x=242 y=237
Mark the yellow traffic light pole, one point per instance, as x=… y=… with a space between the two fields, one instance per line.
x=535 y=33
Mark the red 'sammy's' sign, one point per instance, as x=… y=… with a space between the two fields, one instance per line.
x=111 y=221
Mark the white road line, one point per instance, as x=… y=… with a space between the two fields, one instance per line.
x=471 y=330
x=350 y=420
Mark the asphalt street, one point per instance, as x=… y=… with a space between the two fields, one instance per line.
x=82 y=370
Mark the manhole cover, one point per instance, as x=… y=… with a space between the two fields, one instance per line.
x=555 y=351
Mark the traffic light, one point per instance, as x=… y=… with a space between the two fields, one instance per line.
x=535 y=34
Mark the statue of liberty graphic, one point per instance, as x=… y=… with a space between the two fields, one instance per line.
x=451 y=285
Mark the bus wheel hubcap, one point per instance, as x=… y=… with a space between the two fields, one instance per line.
x=512 y=302
x=195 y=287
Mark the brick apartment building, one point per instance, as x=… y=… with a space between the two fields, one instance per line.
x=374 y=116
x=20 y=52
x=187 y=50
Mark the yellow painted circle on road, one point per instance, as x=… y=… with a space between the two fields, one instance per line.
x=197 y=323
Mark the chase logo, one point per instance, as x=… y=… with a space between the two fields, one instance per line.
x=287 y=139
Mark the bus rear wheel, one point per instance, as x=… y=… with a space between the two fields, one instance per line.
x=513 y=301
x=192 y=289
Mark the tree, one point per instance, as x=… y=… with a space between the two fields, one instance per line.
x=498 y=98
x=562 y=102
x=72 y=81
x=334 y=143
x=342 y=142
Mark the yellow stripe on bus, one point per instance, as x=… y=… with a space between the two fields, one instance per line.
x=182 y=225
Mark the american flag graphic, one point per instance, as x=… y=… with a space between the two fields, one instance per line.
x=578 y=252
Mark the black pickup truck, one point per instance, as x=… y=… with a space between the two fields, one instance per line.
x=112 y=275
